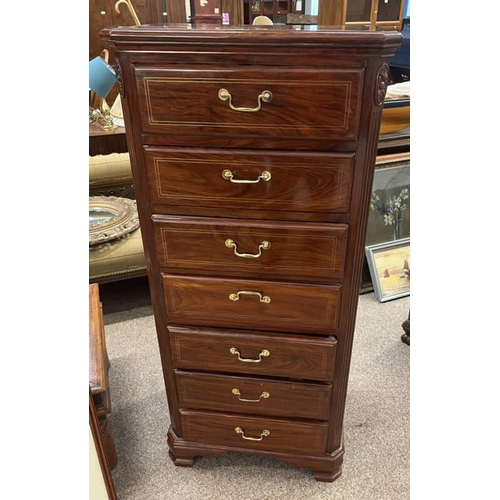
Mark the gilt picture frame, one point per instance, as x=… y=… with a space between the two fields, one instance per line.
x=389 y=265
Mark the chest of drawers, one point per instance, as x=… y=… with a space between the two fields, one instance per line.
x=253 y=152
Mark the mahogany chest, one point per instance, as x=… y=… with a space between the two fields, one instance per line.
x=253 y=153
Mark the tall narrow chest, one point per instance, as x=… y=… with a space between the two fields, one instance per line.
x=253 y=153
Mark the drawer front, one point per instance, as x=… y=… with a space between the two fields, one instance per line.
x=266 y=434
x=256 y=396
x=285 y=250
x=236 y=179
x=259 y=305
x=254 y=102
x=243 y=352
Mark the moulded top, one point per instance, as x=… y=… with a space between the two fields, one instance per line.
x=355 y=36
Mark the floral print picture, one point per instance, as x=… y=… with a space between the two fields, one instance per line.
x=389 y=217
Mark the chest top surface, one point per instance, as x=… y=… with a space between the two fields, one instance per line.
x=290 y=36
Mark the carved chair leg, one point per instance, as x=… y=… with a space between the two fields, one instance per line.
x=406 y=327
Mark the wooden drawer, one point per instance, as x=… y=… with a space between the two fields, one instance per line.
x=251 y=249
x=306 y=103
x=289 y=356
x=313 y=182
x=284 y=436
x=259 y=305
x=258 y=396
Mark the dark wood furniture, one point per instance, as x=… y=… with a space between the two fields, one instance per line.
x=106 y=142
x=206 y=11
x=276 y=10
x=100 y=476
x=253 y=155
x=98 y=372
x=406 y=328
x=234 y=9
x=384 y=14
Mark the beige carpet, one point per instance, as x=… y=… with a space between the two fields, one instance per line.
x=377 y=421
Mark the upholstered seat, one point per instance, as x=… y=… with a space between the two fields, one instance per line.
x=124 y=257
x=117 y=259
x=106 y=170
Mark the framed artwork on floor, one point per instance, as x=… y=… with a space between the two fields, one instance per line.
x=389 y=265
x=389 y=215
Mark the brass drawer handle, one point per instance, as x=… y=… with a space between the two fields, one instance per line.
x=228 y=175
x=263 y=434
x=266 y=96
x=265 y=245
x=262 y=298
x=264 y=353
x=237 y=392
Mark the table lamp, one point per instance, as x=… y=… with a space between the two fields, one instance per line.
x=102 y=77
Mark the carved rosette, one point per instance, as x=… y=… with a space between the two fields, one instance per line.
x=381 y=85
x=119 y=79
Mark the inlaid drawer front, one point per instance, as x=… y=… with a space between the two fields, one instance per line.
x=286 y=250
x=262 y=102
x=258 y=433
x=257 y=396
x=280 y=355
x=259 y=305
x=235 y=179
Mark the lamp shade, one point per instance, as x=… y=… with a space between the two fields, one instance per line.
x=102 y=76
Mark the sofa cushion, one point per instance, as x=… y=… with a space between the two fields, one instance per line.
x=109 y=170
x=116 y=258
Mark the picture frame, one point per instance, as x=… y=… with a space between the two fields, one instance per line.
x=389 y=215
x=389 y=265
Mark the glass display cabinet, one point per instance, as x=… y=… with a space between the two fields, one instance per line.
x=274 y=9
x=386 y=14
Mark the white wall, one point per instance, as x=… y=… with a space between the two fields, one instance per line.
x=97 y=486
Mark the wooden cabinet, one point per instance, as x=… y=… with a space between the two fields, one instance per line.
x=206 y=11
x=276 y=10
x=98 y=373
x=386 y=14
x=253 y=176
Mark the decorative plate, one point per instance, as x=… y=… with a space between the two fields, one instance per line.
x=111 y=218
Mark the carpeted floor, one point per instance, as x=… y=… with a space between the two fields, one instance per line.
x=377 y=420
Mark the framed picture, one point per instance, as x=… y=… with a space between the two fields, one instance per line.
x=389 y=216
x=389 y=265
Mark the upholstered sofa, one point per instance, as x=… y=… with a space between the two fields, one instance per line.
x=121 y=257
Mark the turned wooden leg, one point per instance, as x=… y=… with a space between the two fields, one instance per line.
x=406 y=327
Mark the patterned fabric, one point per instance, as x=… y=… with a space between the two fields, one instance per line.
x=117 y=257
x=114 y=168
